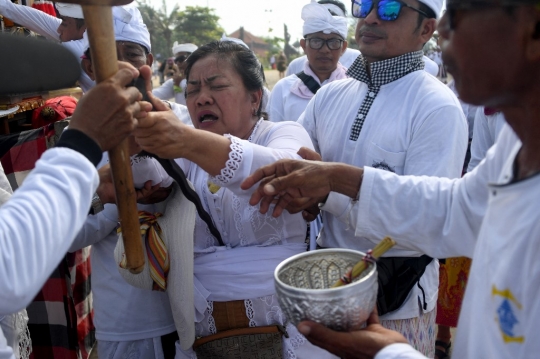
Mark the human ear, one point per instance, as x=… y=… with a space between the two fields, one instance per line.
x=533 y=40
x=344 y=46
x=87 y=67
x=149 y=59
x=428 y=28
x=256 y=98
x=303 y=44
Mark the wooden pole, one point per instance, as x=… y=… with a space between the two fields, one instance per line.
x=99 y=22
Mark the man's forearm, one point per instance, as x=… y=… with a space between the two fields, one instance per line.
x=345 y=179
x=33 y=19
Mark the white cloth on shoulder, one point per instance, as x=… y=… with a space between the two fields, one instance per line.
x=317 y=18
x=177 y=224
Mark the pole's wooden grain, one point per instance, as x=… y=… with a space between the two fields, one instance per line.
x=99 y=24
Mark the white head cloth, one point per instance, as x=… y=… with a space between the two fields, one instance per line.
x=70 y=10
x=335 y=9
x=233 y=39
x=183 y=48
x=435 y=5
x=317 y=18
x=129 y=26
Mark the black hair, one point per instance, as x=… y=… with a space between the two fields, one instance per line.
x=79 y=23
x=242 y=59
x=334 y=2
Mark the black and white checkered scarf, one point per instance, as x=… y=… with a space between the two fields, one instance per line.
x=382 y=73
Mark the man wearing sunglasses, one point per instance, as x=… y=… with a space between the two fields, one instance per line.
x=492 y=49
x=390 y=114
x=323 y=44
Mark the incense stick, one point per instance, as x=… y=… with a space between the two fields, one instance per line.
x=359 y=267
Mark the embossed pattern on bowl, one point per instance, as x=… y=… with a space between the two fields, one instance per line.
x=303 y=288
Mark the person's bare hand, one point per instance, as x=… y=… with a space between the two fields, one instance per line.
x=285 y=180
x=148 y=194
x=158 y=132
x=309 y=206
x=360 y=344
x=152 y=194
x=309 y=154
x=107 y=112
x=105 y=190
x=178 y=77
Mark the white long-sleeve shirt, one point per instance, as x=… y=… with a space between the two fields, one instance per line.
x=166 y=92
x=46 y=25
x=255 y=243
x=38 y=224
x=486 y=130
x=121 y=311
x=484 y=216
x=415 y=126
x=285 y=104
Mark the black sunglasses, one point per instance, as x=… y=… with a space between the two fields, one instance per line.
x=387 y=10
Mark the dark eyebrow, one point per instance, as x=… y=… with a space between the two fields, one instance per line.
x=131 y=45
x=207 y=80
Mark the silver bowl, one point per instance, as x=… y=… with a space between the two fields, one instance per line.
x=303 y=288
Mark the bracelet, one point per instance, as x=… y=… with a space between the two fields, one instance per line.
x=177 y=89
x=97 y=206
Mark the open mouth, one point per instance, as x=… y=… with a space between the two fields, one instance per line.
x=207 y=117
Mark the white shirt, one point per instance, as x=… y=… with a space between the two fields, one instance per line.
x=123 y=312
x=255 y=243
x=486 y=130
x=166 y=91
x=414 y=126
x=182 y=113
x=284 y=105
x=46 y=25
x=483 y=216
x=468 y=109
x=346 y=60
x=58 y=192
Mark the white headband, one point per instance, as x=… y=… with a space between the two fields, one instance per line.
x=129 y=26
x=70 y=10
x=335 y=9
x=183 y=48
x=435 y=5
x=317 y=18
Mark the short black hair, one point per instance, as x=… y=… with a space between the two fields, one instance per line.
x=334 y=2
x=79 y=23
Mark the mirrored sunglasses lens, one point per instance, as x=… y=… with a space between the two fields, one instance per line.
x=389 y=10
x=362 y=8
x=356 y=9
x=366 y=7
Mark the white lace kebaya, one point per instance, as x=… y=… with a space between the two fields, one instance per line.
x=254 y=243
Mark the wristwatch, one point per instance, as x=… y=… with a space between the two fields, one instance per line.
x=97 y=206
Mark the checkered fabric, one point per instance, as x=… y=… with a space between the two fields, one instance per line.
x=382 y=73
x=61 y=316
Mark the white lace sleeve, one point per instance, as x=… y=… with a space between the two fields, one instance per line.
x=233 y=163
